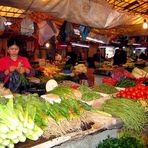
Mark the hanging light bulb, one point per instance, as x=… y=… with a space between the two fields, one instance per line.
x=47 y=45
x=145 y=24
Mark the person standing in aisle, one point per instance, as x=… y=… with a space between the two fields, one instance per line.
x=98 y=57
x=90 y=71
x=120 y=57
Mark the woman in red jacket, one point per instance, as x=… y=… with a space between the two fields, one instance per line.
x=13 y=62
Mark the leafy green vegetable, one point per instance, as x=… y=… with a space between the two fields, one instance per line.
x=88 y=94
x=64 y=92
x=17 y=123
x=105 y=88
x=123 y=142
x=3 y=100
x=131 y=112
x=126 y=83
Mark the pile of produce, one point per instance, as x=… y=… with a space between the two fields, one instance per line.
x=119 y=73
x=64 y=92
x=146 y=69
x=130 y=112
x=69 y=84
x=110 y=81
x=122 y=142
x=138 y=92
x=49 y=70
x=137 y=73
x=4 y=91
x=141 y=80
x=88 y=94
x=80 y=68
x=125 y=83
x=61 y=118
x=105 y=88
x=17 y=124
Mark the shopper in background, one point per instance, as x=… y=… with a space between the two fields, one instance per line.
x=98 y=57
x=120 y=57
x=58 y=57
x=144 y=56
x=90 y=71
x=71 y=56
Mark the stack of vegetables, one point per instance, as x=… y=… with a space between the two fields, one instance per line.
x=127 y=142
x=137 y=72
x=60 y=118
x=124 y=83
x=130 y=112
x=105 y=88
x=80 y=68
x=138 y=92
x=109 y=81
x=4 y=91
x=88 y=94
x=17 y=123
x=49 y=70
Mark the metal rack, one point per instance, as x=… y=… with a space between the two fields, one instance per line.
x=133 y=6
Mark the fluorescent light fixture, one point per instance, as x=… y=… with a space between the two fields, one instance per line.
x=7 y=23
x=63 y=45
x=136 y=44
x=95 y=40
x=79 y=45
x=77 y=32
x=141 y=48
x=106 y=47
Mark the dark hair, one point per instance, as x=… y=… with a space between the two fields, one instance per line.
x=120 y=47
x=13 y=41
x=98 y=50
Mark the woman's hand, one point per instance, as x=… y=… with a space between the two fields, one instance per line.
x=23 y=70
x=6 y=72
x=27 y=70
x=12 y=68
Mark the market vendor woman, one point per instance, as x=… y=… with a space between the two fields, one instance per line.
x=13 y=62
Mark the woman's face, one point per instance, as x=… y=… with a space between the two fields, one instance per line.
x=13 y=50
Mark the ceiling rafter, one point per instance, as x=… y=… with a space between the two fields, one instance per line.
x=132 y=6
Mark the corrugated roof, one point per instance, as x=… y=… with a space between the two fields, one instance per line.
x=132 y=6
x=11 y=12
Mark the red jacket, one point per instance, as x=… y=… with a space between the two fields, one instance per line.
x=6 y=62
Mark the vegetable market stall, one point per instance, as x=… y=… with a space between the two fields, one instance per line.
x=89 y=139
x=66 y=117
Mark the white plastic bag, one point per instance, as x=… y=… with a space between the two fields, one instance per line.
x=45 y=32
x=2 y=25
x=27 y=26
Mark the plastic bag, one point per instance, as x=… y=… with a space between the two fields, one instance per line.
x=84 y=31
x=2 y=26
x=17 y=82
x=27 y=26
x=45 y=32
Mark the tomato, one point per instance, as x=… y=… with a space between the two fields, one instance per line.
x=118 y=95
x=134 y=94
x=124 y=95
x=135 y=98
x=129 y=96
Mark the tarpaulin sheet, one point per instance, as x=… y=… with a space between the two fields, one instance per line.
x=94 y=13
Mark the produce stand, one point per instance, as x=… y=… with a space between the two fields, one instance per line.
x=88 y=139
